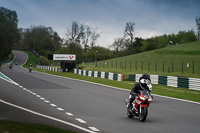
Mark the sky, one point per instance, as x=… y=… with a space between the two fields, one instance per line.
x=151 y=17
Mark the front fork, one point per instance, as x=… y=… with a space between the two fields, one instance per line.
x=141 y=106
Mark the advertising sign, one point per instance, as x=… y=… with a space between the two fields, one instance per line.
x=68 y=57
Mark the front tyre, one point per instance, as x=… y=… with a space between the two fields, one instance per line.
x=143 y=114
x=129 y=114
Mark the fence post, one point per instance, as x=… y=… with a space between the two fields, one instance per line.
x=182 y=66
x=172 y=66
x=156 y=66
x=148 y=66
x=142 y=65
x=193 y=68
x=136 y=65
x=163 y=66
x=112 y=64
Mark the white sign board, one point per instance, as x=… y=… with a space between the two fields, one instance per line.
x=69 y=57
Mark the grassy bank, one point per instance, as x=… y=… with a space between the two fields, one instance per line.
x=17 y=127
x=183 y=61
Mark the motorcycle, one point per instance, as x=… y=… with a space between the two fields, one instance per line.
x=10 y=66
x=140 y=105
x=30 y=69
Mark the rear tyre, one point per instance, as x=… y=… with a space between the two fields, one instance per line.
x=143 y=114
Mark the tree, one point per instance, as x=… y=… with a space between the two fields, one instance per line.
x=118 y=45
x=149 y=44
x=57 y=40
x=81 y=34
x=198 y=27
x=47 y=46
x=86 y=33
x=94 y=37
x=129 y=30
x=41 y=39
x=9 y=33
x=73 y=33
x=186 y=36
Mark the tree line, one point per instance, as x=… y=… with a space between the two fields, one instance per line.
x=81 y=40
x=127 y=44
x=9 y=33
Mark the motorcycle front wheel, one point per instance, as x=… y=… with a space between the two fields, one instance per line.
x=129 y=114
x=143 y=114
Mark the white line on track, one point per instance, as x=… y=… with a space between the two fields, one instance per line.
x=42 y=98
x=80 y=120
x=70 y=114
x=60 y=109
x=46 y=101
x=38 y=96
x=48 y=117
x=53 y=105
x=94 y=129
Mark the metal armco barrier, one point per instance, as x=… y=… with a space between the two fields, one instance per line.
x=106 y=75
x=180 y=82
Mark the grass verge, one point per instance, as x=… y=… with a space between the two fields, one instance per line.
x=17 y=127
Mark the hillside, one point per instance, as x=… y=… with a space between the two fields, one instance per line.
x=184 y=60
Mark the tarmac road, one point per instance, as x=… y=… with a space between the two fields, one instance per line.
x=90 y=106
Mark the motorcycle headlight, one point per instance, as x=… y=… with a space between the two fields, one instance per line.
x=142 y=98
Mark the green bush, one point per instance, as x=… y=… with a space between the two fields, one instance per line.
x=44 y=61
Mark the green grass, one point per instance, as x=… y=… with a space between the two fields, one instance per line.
x=152 y=62
x=32 y=59
x=17 y=127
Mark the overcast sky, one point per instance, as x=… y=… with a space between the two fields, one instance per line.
x=151 y=17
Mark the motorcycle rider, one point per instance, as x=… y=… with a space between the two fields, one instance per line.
x=10 y=65
x=30 y=67
x=143 y=81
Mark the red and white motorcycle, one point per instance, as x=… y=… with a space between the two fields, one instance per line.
x=140 y=105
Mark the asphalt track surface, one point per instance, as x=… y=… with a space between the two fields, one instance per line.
x=56 y=101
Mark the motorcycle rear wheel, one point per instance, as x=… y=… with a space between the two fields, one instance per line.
x=143 y=114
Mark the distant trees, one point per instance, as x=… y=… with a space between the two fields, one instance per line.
x=80 y=34
x=9 y=33
x=40 y=38
x=128 y=44
x=198 y=27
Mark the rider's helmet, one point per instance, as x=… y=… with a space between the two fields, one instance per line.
x=143 y=83
x=146 y=76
